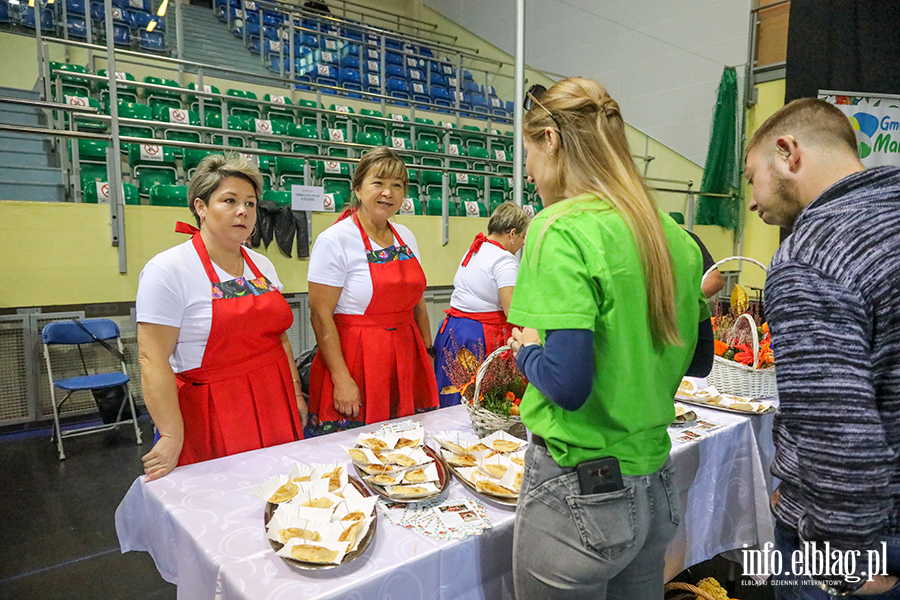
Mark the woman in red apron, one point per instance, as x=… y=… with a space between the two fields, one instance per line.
x=482 y=293
x=244 y=394
x=372 y=366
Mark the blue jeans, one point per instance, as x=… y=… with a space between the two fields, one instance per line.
x=799 y=587
x=593 y=547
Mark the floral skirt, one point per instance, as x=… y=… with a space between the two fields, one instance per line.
x=316 y=428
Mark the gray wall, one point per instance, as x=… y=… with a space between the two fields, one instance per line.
x=660 y=59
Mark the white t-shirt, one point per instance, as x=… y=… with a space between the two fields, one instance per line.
x=338 y=259
x=476 y=287
x=174 y=290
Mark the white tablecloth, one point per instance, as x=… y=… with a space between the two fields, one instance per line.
x=205 y=530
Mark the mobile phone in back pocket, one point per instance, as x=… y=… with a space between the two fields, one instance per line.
x=599 y=476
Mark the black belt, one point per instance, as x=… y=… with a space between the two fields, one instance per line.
x=538 y=440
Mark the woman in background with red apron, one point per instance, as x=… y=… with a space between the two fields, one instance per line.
x=217 y=368
x=482 y=292
x=367 y=304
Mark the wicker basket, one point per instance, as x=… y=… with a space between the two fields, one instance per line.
x=732 y=377
x=484 y=421
x=693 y=592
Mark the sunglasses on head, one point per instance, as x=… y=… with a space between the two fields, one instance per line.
x=533 y=96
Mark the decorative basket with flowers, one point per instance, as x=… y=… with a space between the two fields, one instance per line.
x=744 y=365
x=491 y=387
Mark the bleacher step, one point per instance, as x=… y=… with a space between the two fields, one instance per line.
x=32 y=175
x=33 y=192
x=22 y=158
x=21 y=142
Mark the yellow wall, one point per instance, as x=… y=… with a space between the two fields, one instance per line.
x=760 y=240
x=90 y=273
x=61 y=252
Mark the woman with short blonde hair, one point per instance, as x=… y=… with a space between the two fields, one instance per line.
x=482 y=291
x=609 y=295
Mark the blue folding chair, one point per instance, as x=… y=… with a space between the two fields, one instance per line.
x=80 y=333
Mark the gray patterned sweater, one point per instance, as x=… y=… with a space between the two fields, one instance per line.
x=833 y=305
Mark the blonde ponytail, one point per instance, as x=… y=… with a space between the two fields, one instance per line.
x=594 y=157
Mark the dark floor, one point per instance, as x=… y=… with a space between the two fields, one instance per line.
x=57 y=527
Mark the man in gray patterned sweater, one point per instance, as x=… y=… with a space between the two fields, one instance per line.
x=832 y=300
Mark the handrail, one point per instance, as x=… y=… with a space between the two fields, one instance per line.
x=234 y=99
x=283 y=81
x=401 y=36
x=48 y=104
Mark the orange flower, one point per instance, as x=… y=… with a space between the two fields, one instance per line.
x=720 y=347
x=745 y=356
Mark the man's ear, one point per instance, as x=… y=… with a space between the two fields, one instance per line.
x=789 y=151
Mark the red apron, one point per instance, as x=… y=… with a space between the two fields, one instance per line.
x=241 y=397
x=496 y=328
x=383 y=348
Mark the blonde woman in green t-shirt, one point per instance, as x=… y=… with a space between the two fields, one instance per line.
x=609 y=294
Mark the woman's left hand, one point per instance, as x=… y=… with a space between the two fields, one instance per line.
x=522 y=337
x=303 y=409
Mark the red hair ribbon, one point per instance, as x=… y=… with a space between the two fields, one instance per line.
x=476 y=246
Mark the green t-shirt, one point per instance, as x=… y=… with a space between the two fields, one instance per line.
x=585 y=272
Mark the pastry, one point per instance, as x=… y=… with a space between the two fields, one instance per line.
x=405 y=443
x=356 y=515
x=462 y=461
x=506 y=445
x=334 y=479
x=284 y=493
x=319 y=503
x=489 y=487
x=497 y=471
x=313 y=554
x=409 y=490
x=358 y=455
x=415 y=476
x=296 y=532
x=401 y=459
x=479 y=447
x=374 y=443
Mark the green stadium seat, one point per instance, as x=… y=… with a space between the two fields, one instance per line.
x=280 y=198
x=472 y=137
x=283 y=113
x=308 y=117
x=369 y=138
x=72 y=83
x=434 y=207
x=235 y=123
x=428 y=133
x=162 y=97
x=132 y=110
x=236 y=107
x=125 y=91
x=369 y=125
x=399 y=126
x=151 y=164
x=93 y=190
x=289 y=171
x=167 y=114
x=472 y=208
x=192 y=158
x=208 y=102
x=168 y=195
x=306 y=132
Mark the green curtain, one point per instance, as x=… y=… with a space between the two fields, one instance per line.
x=722 y=174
